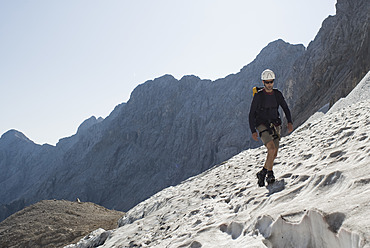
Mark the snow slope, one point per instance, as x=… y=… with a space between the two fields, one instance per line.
x=321 y=197
x=360 y=93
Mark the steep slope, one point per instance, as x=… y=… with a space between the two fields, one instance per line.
x=320 y=199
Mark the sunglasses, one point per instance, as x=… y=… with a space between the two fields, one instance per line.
x=269 y=82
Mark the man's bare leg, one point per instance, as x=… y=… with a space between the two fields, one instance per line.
x=271 y=155
x=267 y=169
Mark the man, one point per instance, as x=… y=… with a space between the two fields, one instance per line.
x=264 y=116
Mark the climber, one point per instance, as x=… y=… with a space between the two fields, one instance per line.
x=264 y=116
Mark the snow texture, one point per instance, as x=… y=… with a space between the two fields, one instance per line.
x=94 y=239
x=320 y=199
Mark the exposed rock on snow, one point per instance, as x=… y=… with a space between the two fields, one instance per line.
x=321 y=197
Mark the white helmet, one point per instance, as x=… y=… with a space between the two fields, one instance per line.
x=267 y=75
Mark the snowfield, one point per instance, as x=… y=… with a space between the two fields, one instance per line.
x=321 y=197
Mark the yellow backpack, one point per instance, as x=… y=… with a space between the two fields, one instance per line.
x=256 y=89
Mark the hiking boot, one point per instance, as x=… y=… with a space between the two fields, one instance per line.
x=270 y=177
x=261 y=175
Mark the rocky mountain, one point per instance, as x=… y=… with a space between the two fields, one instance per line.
x=335 y=61
x=173 y=129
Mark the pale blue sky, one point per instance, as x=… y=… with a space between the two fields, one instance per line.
x=64 y=61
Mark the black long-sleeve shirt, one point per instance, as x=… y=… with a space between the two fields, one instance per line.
x=264 y=108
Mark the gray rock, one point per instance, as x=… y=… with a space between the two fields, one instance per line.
x=335 y=61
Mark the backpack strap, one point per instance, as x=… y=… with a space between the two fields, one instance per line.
x=271 y=129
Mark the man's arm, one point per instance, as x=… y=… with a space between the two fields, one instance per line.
x=252 y=114
x=285 y=107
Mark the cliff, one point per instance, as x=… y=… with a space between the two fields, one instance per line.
x=335 y=61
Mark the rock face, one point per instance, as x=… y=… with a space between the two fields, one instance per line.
x=172 y=129
x=22 y=164
x=334 y=62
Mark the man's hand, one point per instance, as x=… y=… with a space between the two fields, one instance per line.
x=290 y=127
x=255 y=136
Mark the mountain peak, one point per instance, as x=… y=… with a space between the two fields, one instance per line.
x=15 y=135
x=88 y=123
x=279 y=44
x=190 y=77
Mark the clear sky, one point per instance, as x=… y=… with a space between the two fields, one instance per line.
x=64 y=61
